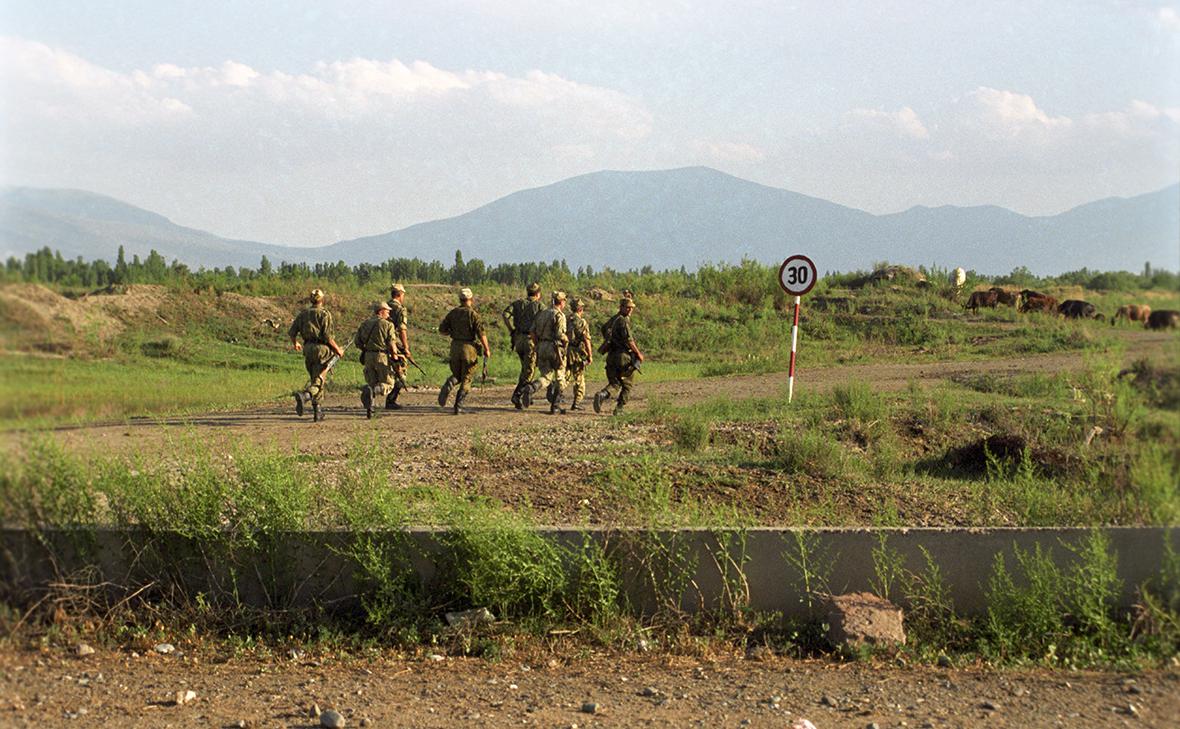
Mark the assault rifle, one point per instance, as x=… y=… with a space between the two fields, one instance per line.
x=332 y=361
x=416 y=365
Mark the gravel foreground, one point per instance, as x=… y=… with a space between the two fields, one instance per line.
x=59 y=688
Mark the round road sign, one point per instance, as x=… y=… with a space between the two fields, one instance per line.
x=797 y=275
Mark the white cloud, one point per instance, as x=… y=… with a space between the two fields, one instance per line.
x=1012 y=113
x=904 y=122
x=1168 y=18
x=377 y=131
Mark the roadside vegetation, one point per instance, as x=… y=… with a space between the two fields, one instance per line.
x=212 y=535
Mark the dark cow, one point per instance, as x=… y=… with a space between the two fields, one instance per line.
x=1132 y=312
x=1164 y=319
x=1036 y=301
x=1078 y=309
x=1006 y=297
x=982 y=298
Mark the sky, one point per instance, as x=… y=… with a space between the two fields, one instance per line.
x=305 y=123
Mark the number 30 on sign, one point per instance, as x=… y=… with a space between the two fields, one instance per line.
x=797 y=275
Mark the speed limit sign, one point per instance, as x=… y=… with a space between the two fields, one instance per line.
x=797 y=275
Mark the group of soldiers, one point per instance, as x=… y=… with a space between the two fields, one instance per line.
x=554 y=349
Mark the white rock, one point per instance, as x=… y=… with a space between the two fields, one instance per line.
x=165 y=648
x=84 y=649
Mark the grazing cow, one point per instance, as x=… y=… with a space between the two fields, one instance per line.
x=982 y=298
x=1078 y=309
x=1132 y=312
x=1004 y=296
x=1164 y=319
x=1036 y=301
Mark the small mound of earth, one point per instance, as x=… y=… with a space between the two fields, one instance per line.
x=1008 y=449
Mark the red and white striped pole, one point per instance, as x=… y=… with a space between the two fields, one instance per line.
x=794 y=345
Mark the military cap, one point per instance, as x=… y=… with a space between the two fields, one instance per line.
x=577 y=303
x=466 y=295
x=396 y=289
x=626 y=303
x=533 y=289
x=316 y=295
x=379 y=305
x=558 y=296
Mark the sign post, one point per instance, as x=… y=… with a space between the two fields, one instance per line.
x=796 y=276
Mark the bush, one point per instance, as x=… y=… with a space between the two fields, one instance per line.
x=809 y=452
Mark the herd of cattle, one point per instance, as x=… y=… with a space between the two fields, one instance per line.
x=1028 y=300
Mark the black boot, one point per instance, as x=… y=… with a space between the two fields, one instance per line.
x=526 y=395
x=299 y=403
x=316 y=414
x=445 y=392
x=598 y=398
x=391 y=398
x=516 y=403
x=367 y=401
x=459 y=398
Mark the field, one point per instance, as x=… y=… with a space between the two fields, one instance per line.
x=167 y=409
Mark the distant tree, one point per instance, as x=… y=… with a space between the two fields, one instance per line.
x=264 y=269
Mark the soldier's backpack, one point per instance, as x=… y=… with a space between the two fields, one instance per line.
x=606 y=333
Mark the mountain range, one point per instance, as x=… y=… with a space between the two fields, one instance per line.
x=664 y=219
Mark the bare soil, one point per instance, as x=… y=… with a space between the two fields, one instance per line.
x=55 y=688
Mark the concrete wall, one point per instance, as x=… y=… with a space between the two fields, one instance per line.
x=311 y=568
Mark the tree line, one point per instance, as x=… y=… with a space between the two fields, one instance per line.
x=748 y=282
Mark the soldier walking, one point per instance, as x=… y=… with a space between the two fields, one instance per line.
x=518 y=317
x=580 y=354
x=400 y=322
x=549 y=336
x=314 y=326
x=622 y=358
x=375 y=339
x=466 y=331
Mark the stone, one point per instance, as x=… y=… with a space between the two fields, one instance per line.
x=590 y=708
x=83 y=649
x=990 y=706
x=314 y=712
x=365 y=722
x=873 y=725
x=332 y=719
x=436 y=657
x=829 y=702
x=759 y=653
x=802 y=723
x=183 y=697
x=164 y=648
x=650 y=692
x=1131 y=710
x=861 y=617
x=944 y=661
x=470 y=618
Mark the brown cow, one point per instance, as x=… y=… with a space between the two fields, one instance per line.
x=982 y=298
x=1036 y=301
x=1164 y=319
x=1132 y=312
x=1004 y=296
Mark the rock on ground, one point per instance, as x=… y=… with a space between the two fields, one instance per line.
x=861 y=617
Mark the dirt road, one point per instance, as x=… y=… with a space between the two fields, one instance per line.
x=492 y=412
x=53 y=688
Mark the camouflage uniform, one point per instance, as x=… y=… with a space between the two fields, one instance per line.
x=620 y=365
x=578 y=332
x=519 y=317
x=465 y=329
x=375 y=337
x=549 y=329
x=400 y=322
x=314 y=326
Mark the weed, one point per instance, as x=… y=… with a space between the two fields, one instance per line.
x=690 y=431
x=810 y=452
